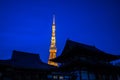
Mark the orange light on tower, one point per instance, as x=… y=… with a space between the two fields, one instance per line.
x=53 y=48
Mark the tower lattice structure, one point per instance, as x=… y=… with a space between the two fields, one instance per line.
x=53 y=49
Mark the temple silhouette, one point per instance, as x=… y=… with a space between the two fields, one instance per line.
x=86 y=62
x=77 y=61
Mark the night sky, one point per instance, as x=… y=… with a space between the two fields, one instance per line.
x=25 y=25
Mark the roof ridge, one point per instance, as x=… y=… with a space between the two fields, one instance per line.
x=14 y=51
x=68 y=40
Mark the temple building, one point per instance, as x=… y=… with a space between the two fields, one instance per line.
x=77 y=62
x=85 y=62
x=24 y=66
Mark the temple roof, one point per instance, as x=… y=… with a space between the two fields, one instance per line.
x=73 y=48
x=25 y=60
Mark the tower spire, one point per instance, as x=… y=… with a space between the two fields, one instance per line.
x=53 y=48
x=53 y=19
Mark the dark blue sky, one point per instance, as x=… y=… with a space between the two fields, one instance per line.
x=25 y=25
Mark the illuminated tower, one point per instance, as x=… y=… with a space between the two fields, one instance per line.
x=53 y=48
